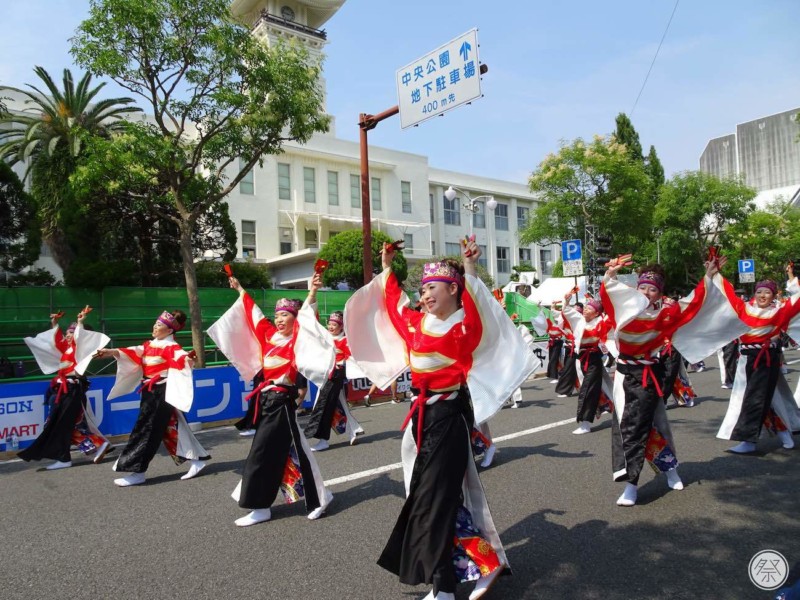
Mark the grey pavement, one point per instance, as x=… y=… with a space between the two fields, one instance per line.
x=73 y=534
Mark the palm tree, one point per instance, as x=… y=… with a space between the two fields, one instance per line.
x=48 y=136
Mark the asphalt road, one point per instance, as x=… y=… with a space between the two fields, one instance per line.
x=73 y=534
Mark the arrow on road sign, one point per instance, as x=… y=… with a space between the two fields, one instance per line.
x=464 y=51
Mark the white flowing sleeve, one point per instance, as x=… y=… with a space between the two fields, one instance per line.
x=376 y=346
x=715 y=324
x=233 y=336
x=180 y=385
x=314 y=350
x=502 y=360
x=129 y=373
x=43 y=348
x=87 y=343
x=576 y=322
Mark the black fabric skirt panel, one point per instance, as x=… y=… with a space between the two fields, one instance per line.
x=319 y=425
x=148 y=432
x=248 y=420
x=420 y=548
x=553 y=356
x=671 y=364
x=592 y=386
x=568 y=375
x=276 y=432
x=761 y=382
x=631 y=429
x=56 y=437
x=730 y=356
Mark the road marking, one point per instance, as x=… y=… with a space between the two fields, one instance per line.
x=394 y=466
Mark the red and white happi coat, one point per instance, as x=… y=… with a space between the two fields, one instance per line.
x=698 y=324
x=54 y=354
x=478 y=345
x=252 y=343
x=763 y=329
x=154 y=361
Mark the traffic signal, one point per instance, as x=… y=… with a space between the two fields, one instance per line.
x=602 y=250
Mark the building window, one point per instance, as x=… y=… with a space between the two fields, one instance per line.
x=246 y=185
x=503 y=262
x=405 y=193
x=355 y=191
x=501 y=217
x=333 y=188
x=408 y=242
x=376 y=193
x=309 y=185
x=433 y=208
x=284 y=182
x=286 y=239
x=433 y=247
x=546 y=261
x=525 y=255
x=312 y=239
x=452 y=249
x=248 y=239
x=452 y=215
x=483 y=260
x=479 y=216
x=522 y=217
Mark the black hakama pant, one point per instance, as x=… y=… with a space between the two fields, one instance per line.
x=569 y=374
x=276 y=433
x=554 y=347
x=631 y=429
x=148 y=431
x=671 y=365
x=319 y=425
x=730 y=356
x=589 y=396
x=420 y=548
x=65 y=412
x=761 y=382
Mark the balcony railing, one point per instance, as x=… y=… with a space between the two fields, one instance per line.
x=275 y=19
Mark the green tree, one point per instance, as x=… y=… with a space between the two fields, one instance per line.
x=220 y=99
x=49 y=135
x=771 y=237
x=414 y=280
x=251 y=275
x=575 y=187
x=626 y=134
x=129 y=202
x=345 y=251
x=693 y=212
x=654 y=168
x=19 y=229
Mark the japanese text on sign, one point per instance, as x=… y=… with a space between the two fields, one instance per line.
x=439 y=81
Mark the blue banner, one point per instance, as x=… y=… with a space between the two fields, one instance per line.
x=219 y=395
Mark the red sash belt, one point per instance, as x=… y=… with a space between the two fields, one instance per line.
x=419 y=406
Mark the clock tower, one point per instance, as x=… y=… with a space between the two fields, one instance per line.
x=289 y=20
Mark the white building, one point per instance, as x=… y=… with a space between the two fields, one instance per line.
x=286 y=209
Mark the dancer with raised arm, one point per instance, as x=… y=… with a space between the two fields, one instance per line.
x=591 y=329
x=279 y=457
x=167 y=391
x=698 y=325
x=464 y=347
x=71 y=420
x=761 y=396
x=330 y=409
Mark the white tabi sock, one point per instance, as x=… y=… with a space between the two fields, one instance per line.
x=743 y=448
x=786 y=439
x=673 y=480
x=628 y=497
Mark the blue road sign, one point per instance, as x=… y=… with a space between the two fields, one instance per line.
x=748 y=265
x=571 y=250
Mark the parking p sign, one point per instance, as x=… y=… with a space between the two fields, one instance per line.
x=747 y=270
x=571 y=256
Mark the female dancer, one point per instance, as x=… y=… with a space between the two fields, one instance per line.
x=330 y=407
x=165 y=371
x=70 y=420
x=642 y=322
x=279 y=457
x=555 y=340
x=464 y=346
x=590 y=330
x=760 y=393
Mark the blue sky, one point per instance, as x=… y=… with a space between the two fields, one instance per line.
x=557 y=71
